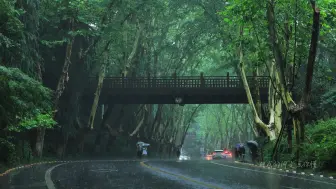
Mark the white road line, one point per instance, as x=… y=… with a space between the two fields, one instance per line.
x=47 y=177
x=247 y=169
x=50 y=183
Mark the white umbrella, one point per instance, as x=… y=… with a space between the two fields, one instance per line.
x=140 y=143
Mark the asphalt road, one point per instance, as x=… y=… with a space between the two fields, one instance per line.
x=159 y=174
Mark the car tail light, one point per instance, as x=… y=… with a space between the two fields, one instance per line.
x=227 y=153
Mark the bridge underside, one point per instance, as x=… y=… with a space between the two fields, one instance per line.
x=188 y=96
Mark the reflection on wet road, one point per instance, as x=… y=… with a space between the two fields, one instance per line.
x=159 y=174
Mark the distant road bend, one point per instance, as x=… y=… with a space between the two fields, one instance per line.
x=160 y=174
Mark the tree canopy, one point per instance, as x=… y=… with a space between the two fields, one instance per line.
x=50 y=50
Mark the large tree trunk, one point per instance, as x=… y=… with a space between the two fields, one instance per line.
x=131 y=56
x=267 y=128
x=65 y=75
x=136 y=130
x=40 y=132
x=189 y=123
x=256 y=93
x=39 y=141
x=101 y=77
x=291 y=106
x=156 y=122
x=59 y=90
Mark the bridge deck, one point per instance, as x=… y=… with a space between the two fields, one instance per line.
x=164 y=90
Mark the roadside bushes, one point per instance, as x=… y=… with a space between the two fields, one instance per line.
x=323 y=146
x=320 y=146
x=24 y=104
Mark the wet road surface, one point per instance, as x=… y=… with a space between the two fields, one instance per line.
x=160 y=174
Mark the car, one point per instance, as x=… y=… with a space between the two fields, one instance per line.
x=227 y=153
x=218 y=154
x=184 y=157
x=208 y=157
x=221 y=154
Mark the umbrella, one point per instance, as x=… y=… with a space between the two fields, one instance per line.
x=239 y=145
x=252 y=144
x=146 y=144
x=140 y=142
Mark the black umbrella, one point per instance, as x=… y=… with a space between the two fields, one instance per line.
x=252 y=144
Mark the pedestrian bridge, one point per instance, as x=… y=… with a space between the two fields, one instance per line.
x=176 y=89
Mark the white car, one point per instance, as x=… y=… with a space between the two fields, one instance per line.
x=183 y=157
x=218 y=154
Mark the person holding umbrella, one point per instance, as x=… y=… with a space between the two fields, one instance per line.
x=139 y=146
x=242 y=152
x=253 y=146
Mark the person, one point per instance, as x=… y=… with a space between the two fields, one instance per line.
x=253 y=150
x=144 y=151
x=139 y=146
x=254 y=155
x=242 y=152
x=235 y=152
x=178 y=152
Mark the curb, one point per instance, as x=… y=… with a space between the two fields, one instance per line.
x=28 y=166
x=48 y=162
x=284 y=170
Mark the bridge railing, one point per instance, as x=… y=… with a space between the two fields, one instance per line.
x=181 y=82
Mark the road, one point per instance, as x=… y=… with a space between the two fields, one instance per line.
x=160 y=174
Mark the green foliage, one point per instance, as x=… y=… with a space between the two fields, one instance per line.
x=223 y=126
x=45 y=120
x=321 y=146
x=27 y=103
x=323 y=136
x=10 y=25
x=8 y=153
x=328 y=100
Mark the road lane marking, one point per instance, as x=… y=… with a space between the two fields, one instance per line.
x=179 y=176
x=47 y=176
x=247 y=169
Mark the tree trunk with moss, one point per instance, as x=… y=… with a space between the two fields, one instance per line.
x=267 y=128
x=100 y=83
x=294 y=108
